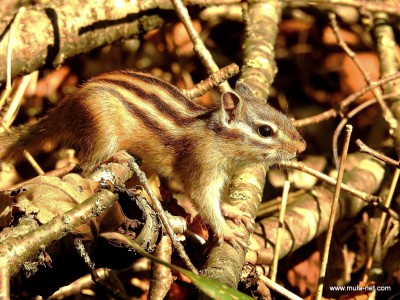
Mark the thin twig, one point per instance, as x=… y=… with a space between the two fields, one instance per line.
x=80 y=249
x=213 y=80
x=10 y=43
x=199 y=47
x=332 y=113
x=376 y=84
x=365 y=149
x=301 y=167
x=14 y=24
x=159 y=209
x=279 y=232
x=277 y=288
x=382 y=220
x=332 y=216
x=9 y=116
x=33 y=162
x=342 y=124
x=370 y=199
x=115 y=293
x=4 y=283
x=386 y=112
x=326 y=115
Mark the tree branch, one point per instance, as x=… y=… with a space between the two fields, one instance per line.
x=48 y=35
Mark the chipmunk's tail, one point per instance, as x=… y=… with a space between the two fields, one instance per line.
x=32 y=138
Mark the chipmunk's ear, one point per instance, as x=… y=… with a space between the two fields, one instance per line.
x=232 y=106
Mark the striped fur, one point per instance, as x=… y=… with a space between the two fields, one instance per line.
x=197 y=146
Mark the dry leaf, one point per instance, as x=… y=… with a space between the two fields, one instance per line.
x=48 y=197
x=304 y=275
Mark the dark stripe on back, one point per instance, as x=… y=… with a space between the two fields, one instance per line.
x=169 y=88
x=146 y=119
x=161 y=106
x=180 y=146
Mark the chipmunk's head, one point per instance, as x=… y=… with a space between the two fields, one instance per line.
x=257 y=130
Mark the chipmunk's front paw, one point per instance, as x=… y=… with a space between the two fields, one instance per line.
x=235 y=238
x=238 y=215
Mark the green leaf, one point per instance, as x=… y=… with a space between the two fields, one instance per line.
x=211 y=287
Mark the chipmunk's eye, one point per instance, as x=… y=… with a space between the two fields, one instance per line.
x=266 y=131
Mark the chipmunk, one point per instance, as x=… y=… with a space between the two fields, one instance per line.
x=199 y=147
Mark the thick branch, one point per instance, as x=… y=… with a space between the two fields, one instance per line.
x=48 y=35
x=307 y=216
x=385 y=42
x=15 y=251
x=373 y=6
x=259 y=67
x=247 y=185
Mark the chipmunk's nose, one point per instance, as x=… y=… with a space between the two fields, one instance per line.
x=301 y=145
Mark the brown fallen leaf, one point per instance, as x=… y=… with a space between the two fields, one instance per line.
x=47 y=196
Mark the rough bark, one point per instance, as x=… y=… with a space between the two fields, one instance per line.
x=224 y=262
x=49 y=34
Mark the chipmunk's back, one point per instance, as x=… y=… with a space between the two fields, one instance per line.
x=122 y=110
